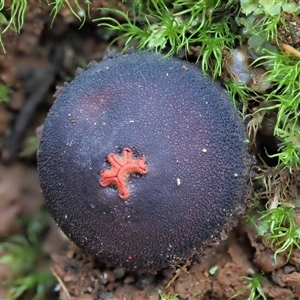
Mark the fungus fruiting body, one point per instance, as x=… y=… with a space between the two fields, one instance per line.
x=143 y=161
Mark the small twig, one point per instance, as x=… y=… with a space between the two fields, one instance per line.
x=61 y=283
x=42 y=84
x=290 y=50
x=177 y=273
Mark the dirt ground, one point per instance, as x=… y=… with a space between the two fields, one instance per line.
x=36 y=61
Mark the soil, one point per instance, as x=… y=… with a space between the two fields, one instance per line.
x=37 y=60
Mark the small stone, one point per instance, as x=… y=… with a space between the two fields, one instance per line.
x=110 y=276
x=288 y=269
x=129 y=279
x=154 y=297
x=119 y=272
x=266 y=260
x=85 y=297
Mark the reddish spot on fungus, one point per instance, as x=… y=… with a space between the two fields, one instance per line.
x=121 y=167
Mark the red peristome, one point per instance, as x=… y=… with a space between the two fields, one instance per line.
x=121 y=167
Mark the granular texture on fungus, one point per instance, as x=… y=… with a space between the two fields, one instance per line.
x=186 y=133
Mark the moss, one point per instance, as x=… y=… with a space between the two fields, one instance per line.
x=254 y=287
x=17 y=10
x=24 y=255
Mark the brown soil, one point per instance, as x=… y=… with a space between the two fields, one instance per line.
x=37 y=60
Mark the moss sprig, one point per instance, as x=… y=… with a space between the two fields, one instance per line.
x=284 y=73
x=164 y=296
x=24 y=255
x=179 y=27
x=279 y=227
x=254 y=287
x=263 y=16
x=239 y=92
x=5 y=92
x=80 y=14
x=17 y=10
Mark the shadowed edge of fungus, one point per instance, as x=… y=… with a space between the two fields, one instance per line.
x=143 y=162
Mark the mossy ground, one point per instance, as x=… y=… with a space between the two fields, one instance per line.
x=203 y=31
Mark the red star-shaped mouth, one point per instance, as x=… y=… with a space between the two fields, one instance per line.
x=121 y=167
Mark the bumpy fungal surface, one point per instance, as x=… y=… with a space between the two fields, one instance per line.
x=143 y=161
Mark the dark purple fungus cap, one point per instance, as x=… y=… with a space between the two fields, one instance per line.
x=143 y=162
